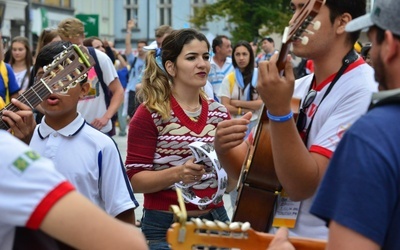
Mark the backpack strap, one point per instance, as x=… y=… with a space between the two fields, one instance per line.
x=99 y=74
x=4 y=74
x=132 y=66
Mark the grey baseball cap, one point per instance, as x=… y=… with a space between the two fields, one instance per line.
x=385 y=15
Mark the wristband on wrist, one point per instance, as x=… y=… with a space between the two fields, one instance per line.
x=280 y=118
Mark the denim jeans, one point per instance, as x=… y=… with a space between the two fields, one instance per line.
x=156 y=223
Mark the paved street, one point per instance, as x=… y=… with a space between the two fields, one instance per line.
x=121 y=142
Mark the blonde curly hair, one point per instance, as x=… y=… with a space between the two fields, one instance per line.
x=71 y=27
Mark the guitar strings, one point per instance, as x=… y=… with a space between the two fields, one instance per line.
x=38 y=90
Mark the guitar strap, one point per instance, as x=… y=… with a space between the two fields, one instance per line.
x=350 y=57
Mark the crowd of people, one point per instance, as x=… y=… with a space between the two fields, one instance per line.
x=66 y=185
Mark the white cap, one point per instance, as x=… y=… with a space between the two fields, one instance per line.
x=151 y=46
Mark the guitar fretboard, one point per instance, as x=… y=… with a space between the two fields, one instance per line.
x=31 y=97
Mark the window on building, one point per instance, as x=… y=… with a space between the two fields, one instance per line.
x=196 y=5
x=132 y=9
x=66 y=3
x=57 y=3
x=165 y=12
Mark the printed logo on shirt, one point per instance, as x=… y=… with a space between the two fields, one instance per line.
x=23 y=162
x=94 y=86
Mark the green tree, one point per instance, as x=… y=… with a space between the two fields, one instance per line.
x=246 y=16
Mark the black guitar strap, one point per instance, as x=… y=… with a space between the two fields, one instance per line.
x=351 y=57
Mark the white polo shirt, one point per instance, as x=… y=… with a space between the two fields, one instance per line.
x=217 y=74
x=90 y=160
x=29 y=188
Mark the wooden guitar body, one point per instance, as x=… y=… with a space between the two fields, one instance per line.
x=258 y=183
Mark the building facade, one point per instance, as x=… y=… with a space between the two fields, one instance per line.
x=150 y=14
x=29 y=17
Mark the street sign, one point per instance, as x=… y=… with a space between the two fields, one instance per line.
x=91 y=24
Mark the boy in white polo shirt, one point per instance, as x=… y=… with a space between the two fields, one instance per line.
x=35 y=197
x=89 y=159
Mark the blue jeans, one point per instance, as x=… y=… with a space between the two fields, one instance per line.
x=156 y=223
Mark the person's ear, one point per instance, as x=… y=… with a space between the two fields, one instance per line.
x=342 y=21
x=85 y=87
x=170 y=68
x=389 y=47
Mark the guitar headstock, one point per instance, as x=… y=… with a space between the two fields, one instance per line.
x=204 y=233
x=302 y=21
x=67 y=69
x=298 y=27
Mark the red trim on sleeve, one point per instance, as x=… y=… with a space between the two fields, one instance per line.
x=47 y=203
x=322 y=151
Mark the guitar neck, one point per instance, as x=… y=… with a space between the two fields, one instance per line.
x=282 y=57
x=31 y=97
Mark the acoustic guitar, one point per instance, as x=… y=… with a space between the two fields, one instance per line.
x=67 y=68
x=204 y=234
x=258 y=185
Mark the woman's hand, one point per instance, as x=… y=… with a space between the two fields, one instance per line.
x=191 y=172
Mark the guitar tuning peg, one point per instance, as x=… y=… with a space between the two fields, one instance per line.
x=198 y=222
x=246 y=226
x=234 y=225
x=316 y=25
x=210 y=223
x=304 y=40
x=309 y=32
x=221 y=224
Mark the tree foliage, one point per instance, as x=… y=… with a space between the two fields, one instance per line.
x=246 y=17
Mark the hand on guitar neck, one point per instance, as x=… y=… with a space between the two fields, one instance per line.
x=22 y=123
x=231 y=145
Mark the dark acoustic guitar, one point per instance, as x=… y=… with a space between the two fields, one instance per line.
x=258 y=186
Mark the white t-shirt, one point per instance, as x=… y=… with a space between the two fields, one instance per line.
x=208 y=89
x=22 y=79
x=29 y=188
x=91 y=162
x=94 y=104
x=347 y=101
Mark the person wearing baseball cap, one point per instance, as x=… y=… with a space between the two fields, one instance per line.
x=359 y=195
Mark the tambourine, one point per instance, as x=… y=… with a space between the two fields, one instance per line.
x=205 y=153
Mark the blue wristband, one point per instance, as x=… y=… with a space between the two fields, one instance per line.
x=280 y=118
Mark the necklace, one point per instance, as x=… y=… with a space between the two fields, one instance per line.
x=191 y=108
